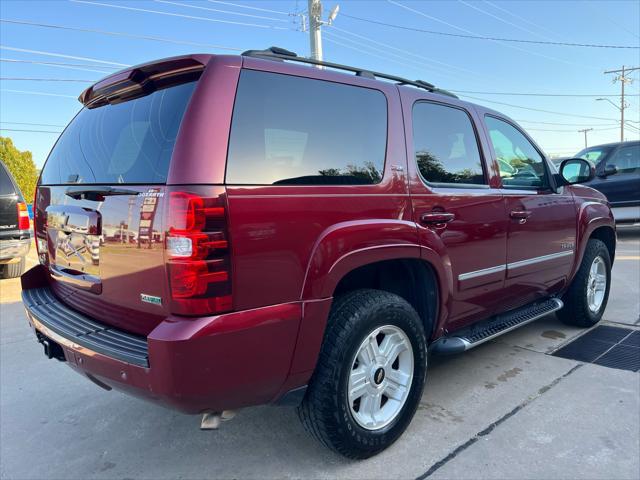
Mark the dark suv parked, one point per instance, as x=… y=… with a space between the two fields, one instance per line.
x=216 y=232
x=618 y=177
x=15 y=231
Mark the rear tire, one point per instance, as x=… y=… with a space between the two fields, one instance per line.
x=586 y=299
x=364 y=426
x=13 y=270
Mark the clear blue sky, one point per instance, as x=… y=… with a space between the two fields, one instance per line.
x=450 y=62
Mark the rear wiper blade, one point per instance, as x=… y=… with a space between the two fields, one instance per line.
x=97 y=194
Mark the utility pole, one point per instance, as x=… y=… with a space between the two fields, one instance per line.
x=622 y=78
x=315 y=24
x=585 y=130
x=315 y=35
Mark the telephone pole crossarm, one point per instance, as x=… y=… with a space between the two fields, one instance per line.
x=623 y=79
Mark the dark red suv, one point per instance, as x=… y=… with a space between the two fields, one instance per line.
x=216 y=232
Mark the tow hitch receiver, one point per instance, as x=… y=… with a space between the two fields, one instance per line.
x=51 y=348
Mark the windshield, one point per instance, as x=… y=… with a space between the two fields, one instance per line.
x=129 y=142
x=594 y=154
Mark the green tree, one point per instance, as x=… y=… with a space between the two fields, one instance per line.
x=21 y=166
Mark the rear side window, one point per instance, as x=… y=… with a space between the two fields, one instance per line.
x=298 y=131
x=129 y=142
x=445 y=145
x=6 y=186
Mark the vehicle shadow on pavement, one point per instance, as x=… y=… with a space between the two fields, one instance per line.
x=81 y=431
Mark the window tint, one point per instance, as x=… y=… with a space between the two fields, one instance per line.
x=129 y=142
x=520 y=163
x=627 y=159
x=300 y=131
x=445 y=145
x=6 y=187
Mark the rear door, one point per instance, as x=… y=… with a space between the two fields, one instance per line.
x=542 y=222
x=101 y=203
x=456 y=203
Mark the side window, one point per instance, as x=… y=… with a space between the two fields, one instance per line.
x=445 y=145
x=6 y=186
x=520 y=163
x=336 y=136
x=627 y=159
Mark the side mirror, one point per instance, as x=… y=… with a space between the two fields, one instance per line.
x=577 y=170
x=609 y=170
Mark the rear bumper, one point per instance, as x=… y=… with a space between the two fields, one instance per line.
x=10 y=249
x=191 y=364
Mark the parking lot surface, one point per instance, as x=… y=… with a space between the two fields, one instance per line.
x=506 y=409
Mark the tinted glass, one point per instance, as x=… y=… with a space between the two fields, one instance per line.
x=6 y=187
x=129 y=142
x=293 y=130
x=445 y=145
x=594 y=154
x=627 y=159
x=520 y=163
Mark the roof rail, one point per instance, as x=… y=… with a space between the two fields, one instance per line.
x=281 y=54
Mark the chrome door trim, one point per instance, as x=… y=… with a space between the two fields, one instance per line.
x=543 y=258
x=480 y=273
x=513 y=265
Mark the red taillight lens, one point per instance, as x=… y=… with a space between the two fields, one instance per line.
x=197 y=251
x=23 y=216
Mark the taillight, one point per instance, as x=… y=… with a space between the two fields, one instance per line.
x=23 y=216
x=197 y=251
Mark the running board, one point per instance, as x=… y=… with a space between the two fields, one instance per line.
x=479 y=333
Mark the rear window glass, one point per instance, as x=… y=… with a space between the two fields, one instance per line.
x=6 y=187
x=129 y=142
x=298 y=131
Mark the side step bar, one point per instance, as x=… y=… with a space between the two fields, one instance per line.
x=484 y=331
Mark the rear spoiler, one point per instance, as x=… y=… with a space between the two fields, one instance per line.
x=143 y=79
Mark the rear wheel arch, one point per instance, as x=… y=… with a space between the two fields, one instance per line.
x=413 y=279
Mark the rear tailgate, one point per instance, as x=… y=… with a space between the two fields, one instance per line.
x=101 y=201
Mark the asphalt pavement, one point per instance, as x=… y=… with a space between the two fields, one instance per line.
x=506 y=409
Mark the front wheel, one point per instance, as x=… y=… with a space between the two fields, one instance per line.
x=587 y=297
x=370 y=374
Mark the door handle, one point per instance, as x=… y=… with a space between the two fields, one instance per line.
x=437 y=217
x=521 y=215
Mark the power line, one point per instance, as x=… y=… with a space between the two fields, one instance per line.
x=504 y=44
x=217 y=10
x=519 y=18
x=37 y=93
x=499 y=18
x=33 y=79
x=26 y=130
x=411 y=65
x=481 y=37
x=527 y=94
x=32 y=124
x=120 y=34
x=61 y=55
x=70 y=66
x=248 y=7
x=406 y=52
x=191 y=17
x=537 y=109
x=569 y=124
